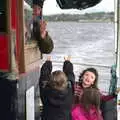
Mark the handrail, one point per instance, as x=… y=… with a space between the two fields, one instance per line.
x=84 y=64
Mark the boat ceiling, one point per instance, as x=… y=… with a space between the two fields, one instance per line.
x=73 y=4
x=29 y=2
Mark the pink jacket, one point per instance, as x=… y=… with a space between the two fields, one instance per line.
x=79 y=113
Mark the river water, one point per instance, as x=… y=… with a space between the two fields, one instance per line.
x=88 y=44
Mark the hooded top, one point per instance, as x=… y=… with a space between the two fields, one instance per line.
x=56 y=103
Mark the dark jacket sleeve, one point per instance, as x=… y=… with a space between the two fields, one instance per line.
x=45 y=74
x=68 y=70
x=45 y=45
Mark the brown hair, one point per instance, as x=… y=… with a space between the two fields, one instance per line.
x=58 y=80
x=90 y=97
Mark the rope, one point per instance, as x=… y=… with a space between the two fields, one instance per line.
x=84 y=64
x=113 y=81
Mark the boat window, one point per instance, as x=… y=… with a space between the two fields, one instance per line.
x=27 y=25
x=3 y=21
x=32 y=53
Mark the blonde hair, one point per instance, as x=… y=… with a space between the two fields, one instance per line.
x=58 y=80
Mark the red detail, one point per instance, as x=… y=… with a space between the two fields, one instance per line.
x=15 y=25
x=17 y=40
x=13 y=13
x=4 y=55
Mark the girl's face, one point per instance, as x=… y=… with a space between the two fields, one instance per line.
x=88 y=79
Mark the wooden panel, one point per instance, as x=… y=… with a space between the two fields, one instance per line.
x=32 y=56
x=20 y=36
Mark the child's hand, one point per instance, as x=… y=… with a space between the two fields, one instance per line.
x=118 y=90
x=49 y=58
x=67 y=58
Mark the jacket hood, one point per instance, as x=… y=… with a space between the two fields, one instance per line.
x=57 y=97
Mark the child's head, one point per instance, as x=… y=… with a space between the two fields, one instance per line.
x=89 y=78
x=90 y=97
x=58 y=80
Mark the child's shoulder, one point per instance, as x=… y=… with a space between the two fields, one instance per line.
x=77 y=108
x=78 y=113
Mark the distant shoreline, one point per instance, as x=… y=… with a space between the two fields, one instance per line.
x=88 y=17
x=87 y=21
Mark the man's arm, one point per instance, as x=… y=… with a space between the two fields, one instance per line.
x=44 y=41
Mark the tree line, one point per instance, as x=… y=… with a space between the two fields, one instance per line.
x=99 y=16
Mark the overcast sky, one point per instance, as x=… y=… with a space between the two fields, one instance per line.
x=51 y=7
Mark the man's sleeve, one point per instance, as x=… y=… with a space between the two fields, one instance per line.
x=46 y=45
x=45 y=73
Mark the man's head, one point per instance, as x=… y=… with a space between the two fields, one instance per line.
x=37 y=7
x=38 y=2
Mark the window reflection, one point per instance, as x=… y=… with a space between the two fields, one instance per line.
x=28 y=24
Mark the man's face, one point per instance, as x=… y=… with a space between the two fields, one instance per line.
x=37 y=10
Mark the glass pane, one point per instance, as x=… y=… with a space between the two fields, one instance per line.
x=3 y=24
